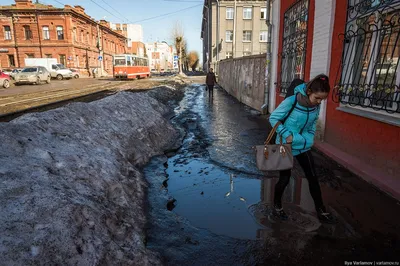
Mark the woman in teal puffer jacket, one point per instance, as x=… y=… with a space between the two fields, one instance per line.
x=299 y=116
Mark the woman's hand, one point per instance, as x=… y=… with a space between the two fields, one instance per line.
x=289 y=139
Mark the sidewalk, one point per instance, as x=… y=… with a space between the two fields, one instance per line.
x=384 y=182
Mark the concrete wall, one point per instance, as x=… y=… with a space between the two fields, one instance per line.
x=244 y=78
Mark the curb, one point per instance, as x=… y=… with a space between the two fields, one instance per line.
x=388 y=184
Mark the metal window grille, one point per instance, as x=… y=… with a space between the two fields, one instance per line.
x=294 y=43
x=369 y=74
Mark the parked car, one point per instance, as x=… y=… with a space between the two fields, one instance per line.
x=7 y=71
x=33 y=75
x=59 y=71
x=4 y=80
x=15 y=72
x=75 y=73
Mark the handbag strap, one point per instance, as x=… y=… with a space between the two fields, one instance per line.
x=271 y=134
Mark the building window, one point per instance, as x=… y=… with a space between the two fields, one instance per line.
x=247 y=12
x=46 y=33
x=74 y=34
x=263 y=36
x=77 y=61
x=7 y=33
x=246 y=53
x=11 y=60
x=229 y=36
x=60 y=33
x=28 y=32
x=82 y=39
x=293 y=44
x=229 y=13
x=48 y=55
x=247 y=35
x=370 y=72
x=30 y=55
x=263 y=13
x=63 y=59
x=228 y=55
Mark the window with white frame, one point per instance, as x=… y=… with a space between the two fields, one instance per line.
x=247 y=12
x=230 y=13
x=229 y=36
x=263 y=14
x=228 y=55
x=263 y=36
x=46 y=33
x=7 y=33
x=60 y=33
x=370 y=72
x=247 y=35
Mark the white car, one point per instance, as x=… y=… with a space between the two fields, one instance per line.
x=33 y=75
x=59 y=71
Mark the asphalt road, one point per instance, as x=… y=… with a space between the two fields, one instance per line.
x=54 y=85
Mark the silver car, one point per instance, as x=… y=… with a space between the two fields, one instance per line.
x=15 y=72
x=33 y=75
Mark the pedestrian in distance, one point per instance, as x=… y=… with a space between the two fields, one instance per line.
x=211 y=80
x=298 y=115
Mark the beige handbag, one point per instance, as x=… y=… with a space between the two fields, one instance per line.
x=275 y=156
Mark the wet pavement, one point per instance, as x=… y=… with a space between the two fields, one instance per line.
x=209 y=204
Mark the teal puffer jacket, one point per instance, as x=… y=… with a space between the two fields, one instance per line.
x=301 y=123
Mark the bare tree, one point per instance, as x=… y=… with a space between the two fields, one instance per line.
x=179 y=41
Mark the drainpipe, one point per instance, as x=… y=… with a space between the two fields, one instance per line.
x=38 y=30
x=234 y=32
x=264 y=107
x=15 y=39
x=217 y=39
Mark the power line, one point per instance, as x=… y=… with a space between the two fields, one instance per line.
x=126 y=19
x=59 y=2
x=104 y=9
x=166 y=14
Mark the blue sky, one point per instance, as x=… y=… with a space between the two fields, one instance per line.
x=138 y=10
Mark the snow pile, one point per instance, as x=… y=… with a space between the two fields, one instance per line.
x=70 y=191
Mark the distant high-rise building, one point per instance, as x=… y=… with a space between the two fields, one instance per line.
x=134 y=32
x=161 y=56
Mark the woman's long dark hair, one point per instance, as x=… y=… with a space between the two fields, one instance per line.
x=319 y=84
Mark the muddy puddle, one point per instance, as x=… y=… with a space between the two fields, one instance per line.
x=208 y=197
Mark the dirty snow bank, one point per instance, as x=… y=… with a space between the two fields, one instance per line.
x=70 y=191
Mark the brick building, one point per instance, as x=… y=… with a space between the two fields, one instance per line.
x=355 y=42
x=29 y=30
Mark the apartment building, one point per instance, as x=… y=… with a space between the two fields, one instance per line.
x=233 y=29
x=32 y=30
x=161 y=56
x=134 y=32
